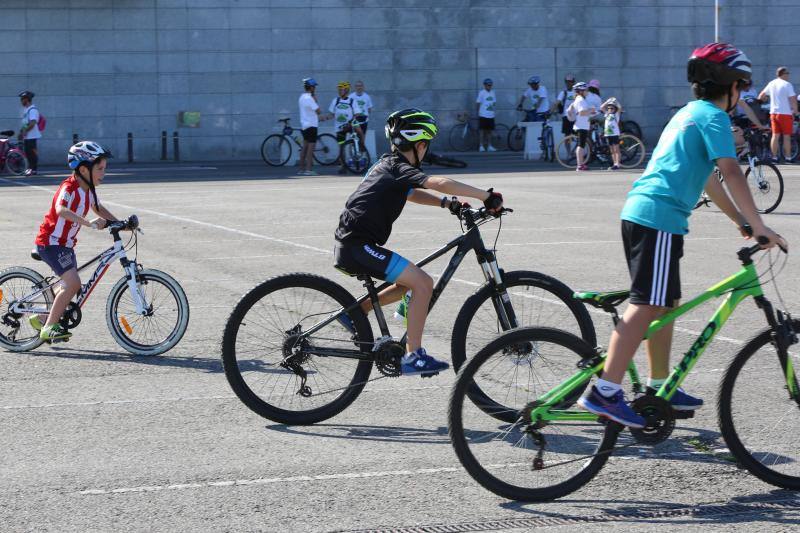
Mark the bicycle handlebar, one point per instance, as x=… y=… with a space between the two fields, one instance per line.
x=131 y=223
x=469 y=214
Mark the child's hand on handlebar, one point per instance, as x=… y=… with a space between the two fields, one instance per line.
x=98 y=223
x=494 y=202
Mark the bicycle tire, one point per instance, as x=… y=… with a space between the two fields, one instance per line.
x=16 y=162
x=568 y=158
x=463 y=138
x=584 y=447
x=551 y=304
x=632 y=127
x=632 y=151
x=516 y=139
x=762 y=190
x=547 y=142
x=795 y=147
x=435 y=159
x=276 y=150
x=122 y=318
x=326 y=151
x=499 y=137
x=357 y=163
x=763 y=399
x=30 y=279
x=336 y=296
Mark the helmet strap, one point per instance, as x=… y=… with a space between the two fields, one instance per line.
x=731 y=103
x=89 y=182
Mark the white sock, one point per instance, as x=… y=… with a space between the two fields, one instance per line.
x=607 y=388
x=655 y=383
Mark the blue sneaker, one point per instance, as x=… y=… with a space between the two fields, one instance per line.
x=683 y=402
x=613 y=408
x=346 y=323
x=419 y=362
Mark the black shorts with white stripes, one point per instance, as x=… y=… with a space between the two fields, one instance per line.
x=653 y=261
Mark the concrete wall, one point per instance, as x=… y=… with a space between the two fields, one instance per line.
x=136 y=63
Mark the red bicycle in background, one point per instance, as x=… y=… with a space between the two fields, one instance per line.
x=12 y=156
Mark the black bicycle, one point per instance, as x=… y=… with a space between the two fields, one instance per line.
x=298 y=349
x=276 y=150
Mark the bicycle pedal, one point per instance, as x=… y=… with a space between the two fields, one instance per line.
x=683 y=415
x=429 y=375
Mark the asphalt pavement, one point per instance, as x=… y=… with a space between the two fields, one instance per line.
x=94 y=439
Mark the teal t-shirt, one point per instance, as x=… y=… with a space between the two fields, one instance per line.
x=663 y=197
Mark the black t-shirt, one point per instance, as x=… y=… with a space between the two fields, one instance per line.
x=378 y=201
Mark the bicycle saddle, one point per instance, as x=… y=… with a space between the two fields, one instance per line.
x=35 y=255
x=7 y=133
x=602 y=300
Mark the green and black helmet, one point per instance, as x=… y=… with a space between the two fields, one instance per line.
x=407 y=127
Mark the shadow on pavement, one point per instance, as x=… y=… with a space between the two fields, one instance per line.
x=369 y=433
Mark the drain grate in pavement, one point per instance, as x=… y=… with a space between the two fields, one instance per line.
x=698 y=511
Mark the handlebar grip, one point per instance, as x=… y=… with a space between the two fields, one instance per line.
x=761 y=239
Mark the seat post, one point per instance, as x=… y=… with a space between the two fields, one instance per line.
x=376 y=304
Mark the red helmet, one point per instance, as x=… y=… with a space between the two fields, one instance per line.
x=718 y=63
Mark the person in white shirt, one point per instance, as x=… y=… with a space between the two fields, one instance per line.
x=536 y=94
x=613 y=114
x=486 y=101
x=594 y=99
x=564 y=100
x=309 y=122
x=363 y=105
x=782 y=108
x=342 y=111
x=29 y=132
x=579 y=112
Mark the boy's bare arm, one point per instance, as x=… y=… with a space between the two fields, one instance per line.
x=66 y=213
x=456 y=188
x=717 y=193
x=419 y=196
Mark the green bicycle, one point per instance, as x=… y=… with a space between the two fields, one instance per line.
x=544 y=450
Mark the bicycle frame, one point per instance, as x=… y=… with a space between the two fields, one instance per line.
x=470 y=240
x=737 y=287
x=104 y=260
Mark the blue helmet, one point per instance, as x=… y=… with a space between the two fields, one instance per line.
x=534 y=79
x=488 y=81
x=309 y=82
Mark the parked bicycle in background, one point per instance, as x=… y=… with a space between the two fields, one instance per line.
x=12 y=156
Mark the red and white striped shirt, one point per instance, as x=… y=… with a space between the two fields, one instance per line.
x=56 y=230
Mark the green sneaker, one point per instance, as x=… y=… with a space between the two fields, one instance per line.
x=401 y=313
x=35 y=323
x=54 y=333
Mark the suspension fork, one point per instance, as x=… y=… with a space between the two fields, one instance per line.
x=783 y=336
x=500 y=299
x=132 y=275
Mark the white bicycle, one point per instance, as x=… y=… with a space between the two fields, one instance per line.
x=147 y=311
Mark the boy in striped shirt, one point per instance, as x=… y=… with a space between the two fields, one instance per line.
x=56 y=240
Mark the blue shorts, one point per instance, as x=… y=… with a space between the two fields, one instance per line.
x=59 y=258
x=370 y=259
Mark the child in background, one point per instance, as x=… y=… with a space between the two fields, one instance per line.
x=613 y=112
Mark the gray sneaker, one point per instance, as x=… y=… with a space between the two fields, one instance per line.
x=311 y=173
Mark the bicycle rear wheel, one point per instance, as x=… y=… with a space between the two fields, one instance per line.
x=632 y=151
x=759 y=411
x=499 y=138
x=463 y=138
x=548 y=144
x=516 y=139
x=276 y=150
x=16 y=162
x=519 y=460
x=264 y=351
x=326 y=151
x=766 y=185
x=16 y=333
x=630 y=126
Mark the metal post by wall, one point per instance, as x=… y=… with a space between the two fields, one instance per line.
x=130 y=147
x=74 y=138
x=163 y=145
x=176 y=146
x=716 y=21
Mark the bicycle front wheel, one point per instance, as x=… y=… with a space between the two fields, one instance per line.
x=463 y=138
x=265 y=351
x=632 y=127
x=766 y=185
x=519 y=460
x=516 y=139
x=16 y=162
x=166 y=313
x=326 y=151
x=632 y=151
x=565 y=151
x=759 y=411
x=532 y=299
x=499 y=138
x=16 y=333
x=356 y=161
x=548 y=144
x=276 y=150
